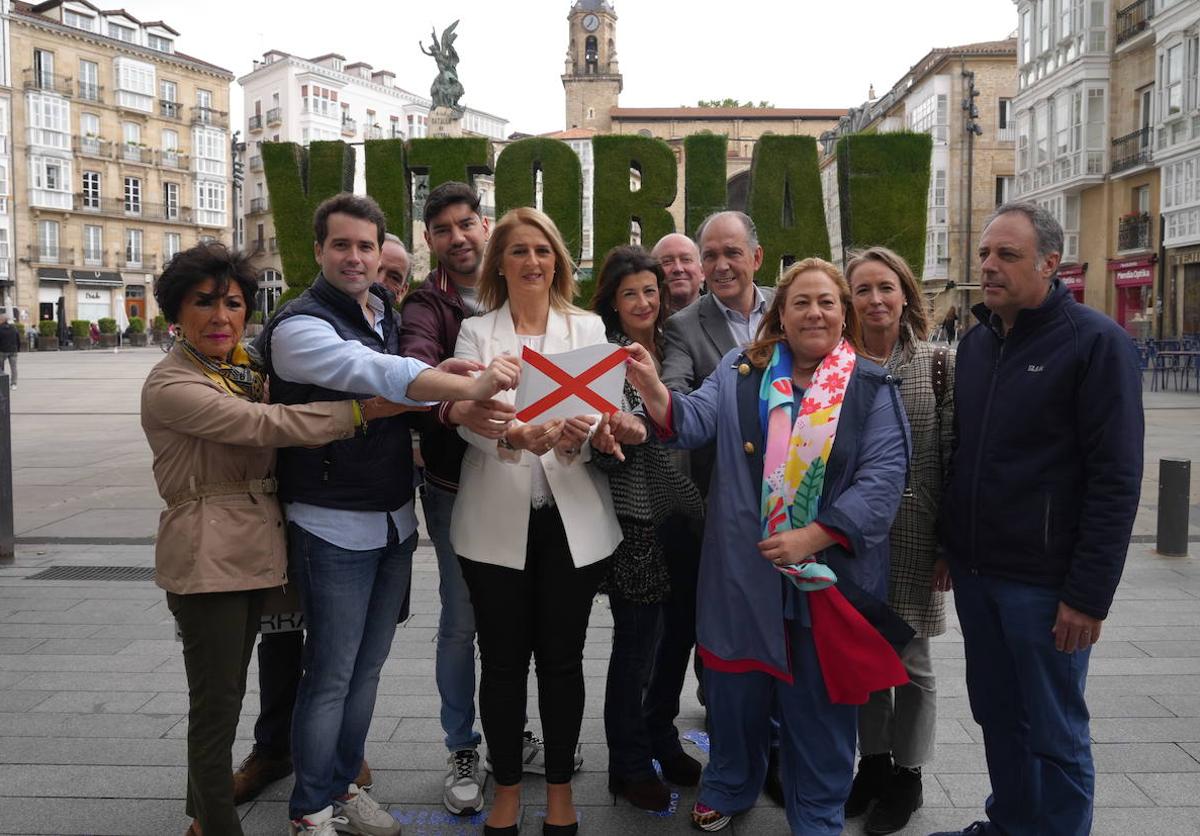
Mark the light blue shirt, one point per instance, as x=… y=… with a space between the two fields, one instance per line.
x=305 y=349
x=743 y=328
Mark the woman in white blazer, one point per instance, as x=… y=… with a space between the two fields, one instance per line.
x=533 y=522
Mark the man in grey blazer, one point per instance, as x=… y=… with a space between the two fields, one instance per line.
x=726 y=317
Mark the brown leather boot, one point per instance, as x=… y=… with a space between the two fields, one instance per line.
x=256 y=772
x=364 y=781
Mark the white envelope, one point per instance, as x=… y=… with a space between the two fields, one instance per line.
x=591 y=379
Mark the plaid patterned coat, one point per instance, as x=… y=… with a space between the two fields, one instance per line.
x=913 y=535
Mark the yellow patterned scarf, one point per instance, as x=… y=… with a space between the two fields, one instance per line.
x=239 y=376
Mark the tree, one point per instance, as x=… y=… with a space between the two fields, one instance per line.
x=729 y=103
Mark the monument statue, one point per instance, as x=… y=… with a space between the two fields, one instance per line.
x=446 y=89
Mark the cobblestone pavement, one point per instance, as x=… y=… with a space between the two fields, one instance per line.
x=93 y=697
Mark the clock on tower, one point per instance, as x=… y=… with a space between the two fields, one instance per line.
x=591 y=79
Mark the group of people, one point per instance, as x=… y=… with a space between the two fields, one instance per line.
x=794 y=479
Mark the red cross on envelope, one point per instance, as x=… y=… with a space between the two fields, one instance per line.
x=570 y=385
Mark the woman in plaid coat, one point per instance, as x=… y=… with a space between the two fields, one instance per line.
x=896 y=727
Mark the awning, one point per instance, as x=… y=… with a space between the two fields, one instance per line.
x=100 y=278
x=52 y=274
x=1133 y=273
x=1072 y=275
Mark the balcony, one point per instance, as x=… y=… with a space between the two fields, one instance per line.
x=275 y=116
x=171 y=158
x=259 y=206
x=118 y=208
x=93 y=146
x=273 y=245
x=209 y=116
x=137 y=154
x=1133 y=20
x=256 y=163
x=51 y=255
x=95 y=258
x=1133 y=232
x=1008 y=134
x=89 y=91
x=258 y=245
x=373 y=132
x=255 y=122
x=50 y=82
x=137 y=261
x=168 y=109
x=50 y=199
x=1132 y=150
x=349 y=126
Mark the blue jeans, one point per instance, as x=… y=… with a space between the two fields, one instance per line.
x=635 y=635
x=455 y=666
x=1028 y=698
x=351 y=600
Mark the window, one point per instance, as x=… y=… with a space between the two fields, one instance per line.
x=1026 y=36
x=1173 y=81
x=1041 y=124
x=171 y=244
x=50 y=174
x=160 y=43
x=1004 y=118
x=49 y=121
x=204 y=99
x=170 y=142
x=171 y=201
x=75 y=19
x=133 y=247
x=122 y=33
x=168 y=91
x=131 y=133
x=89 y=81
x=1045 y=19
x=939 y=187
x=1004 y=190
x=208 y=151
x=89 y=129
x=93 y=246
x=1141 y=200
x=319 y=100
x=48 y=240
x=43 y=69
x=1062 y=124
x=135 y=84
x=91 y=190
x=3 y=185
x=210 y=202
x=133 y=196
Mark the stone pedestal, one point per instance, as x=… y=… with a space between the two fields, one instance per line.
x=444 y=121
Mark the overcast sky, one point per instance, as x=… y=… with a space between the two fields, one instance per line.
x=792 y=54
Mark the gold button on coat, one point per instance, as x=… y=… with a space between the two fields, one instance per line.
x=744 y=369
x=748 y=447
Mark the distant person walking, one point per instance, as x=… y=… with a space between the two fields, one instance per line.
x=10 y=344
x=950 y=324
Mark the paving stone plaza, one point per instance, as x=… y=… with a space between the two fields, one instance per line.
x=93 y=699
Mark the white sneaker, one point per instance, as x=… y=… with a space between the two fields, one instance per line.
x=463 y=795
x=317 y=824
x=533 y=756
x=360 y=813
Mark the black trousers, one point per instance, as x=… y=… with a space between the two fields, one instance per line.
x=218 y=629
x=279 y=667
x=541 y=611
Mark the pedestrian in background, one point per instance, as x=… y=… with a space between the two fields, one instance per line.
x=10 y=344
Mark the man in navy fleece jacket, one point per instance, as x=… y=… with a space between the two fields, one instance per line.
x=1036 y=518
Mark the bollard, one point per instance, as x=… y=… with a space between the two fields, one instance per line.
x=6 y=489
x=1174 y=486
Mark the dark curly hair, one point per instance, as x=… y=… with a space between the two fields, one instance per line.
x=619 y=263
x=211 y=260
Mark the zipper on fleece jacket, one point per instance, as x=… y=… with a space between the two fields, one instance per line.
x=987 y=417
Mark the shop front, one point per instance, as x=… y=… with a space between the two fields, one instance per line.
x=52 y=292
x=1182 y=314
x=1133 y=280
x=1073 y=277
x=94 y=294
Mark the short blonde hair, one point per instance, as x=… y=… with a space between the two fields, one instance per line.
x=916 y=314
x=770 y=332
x=493 y=290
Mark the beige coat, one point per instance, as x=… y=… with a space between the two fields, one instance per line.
x=200 y=435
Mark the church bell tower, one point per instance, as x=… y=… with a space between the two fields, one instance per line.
x=591 y=80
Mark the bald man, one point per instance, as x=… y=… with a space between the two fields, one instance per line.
x=395 y=266
x=680 y=260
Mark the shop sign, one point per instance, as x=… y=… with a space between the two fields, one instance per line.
x=1135 y=273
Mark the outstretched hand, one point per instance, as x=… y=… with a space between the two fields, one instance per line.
x=504 y=372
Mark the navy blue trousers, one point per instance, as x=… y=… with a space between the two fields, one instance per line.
x=1028 y=698
x=816 y=741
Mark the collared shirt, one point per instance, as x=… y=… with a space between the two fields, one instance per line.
x=742 y=327
x=305 y=349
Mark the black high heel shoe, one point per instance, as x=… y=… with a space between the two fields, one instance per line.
x=560 y=829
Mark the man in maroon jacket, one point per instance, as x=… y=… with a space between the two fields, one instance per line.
x=456 y=233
